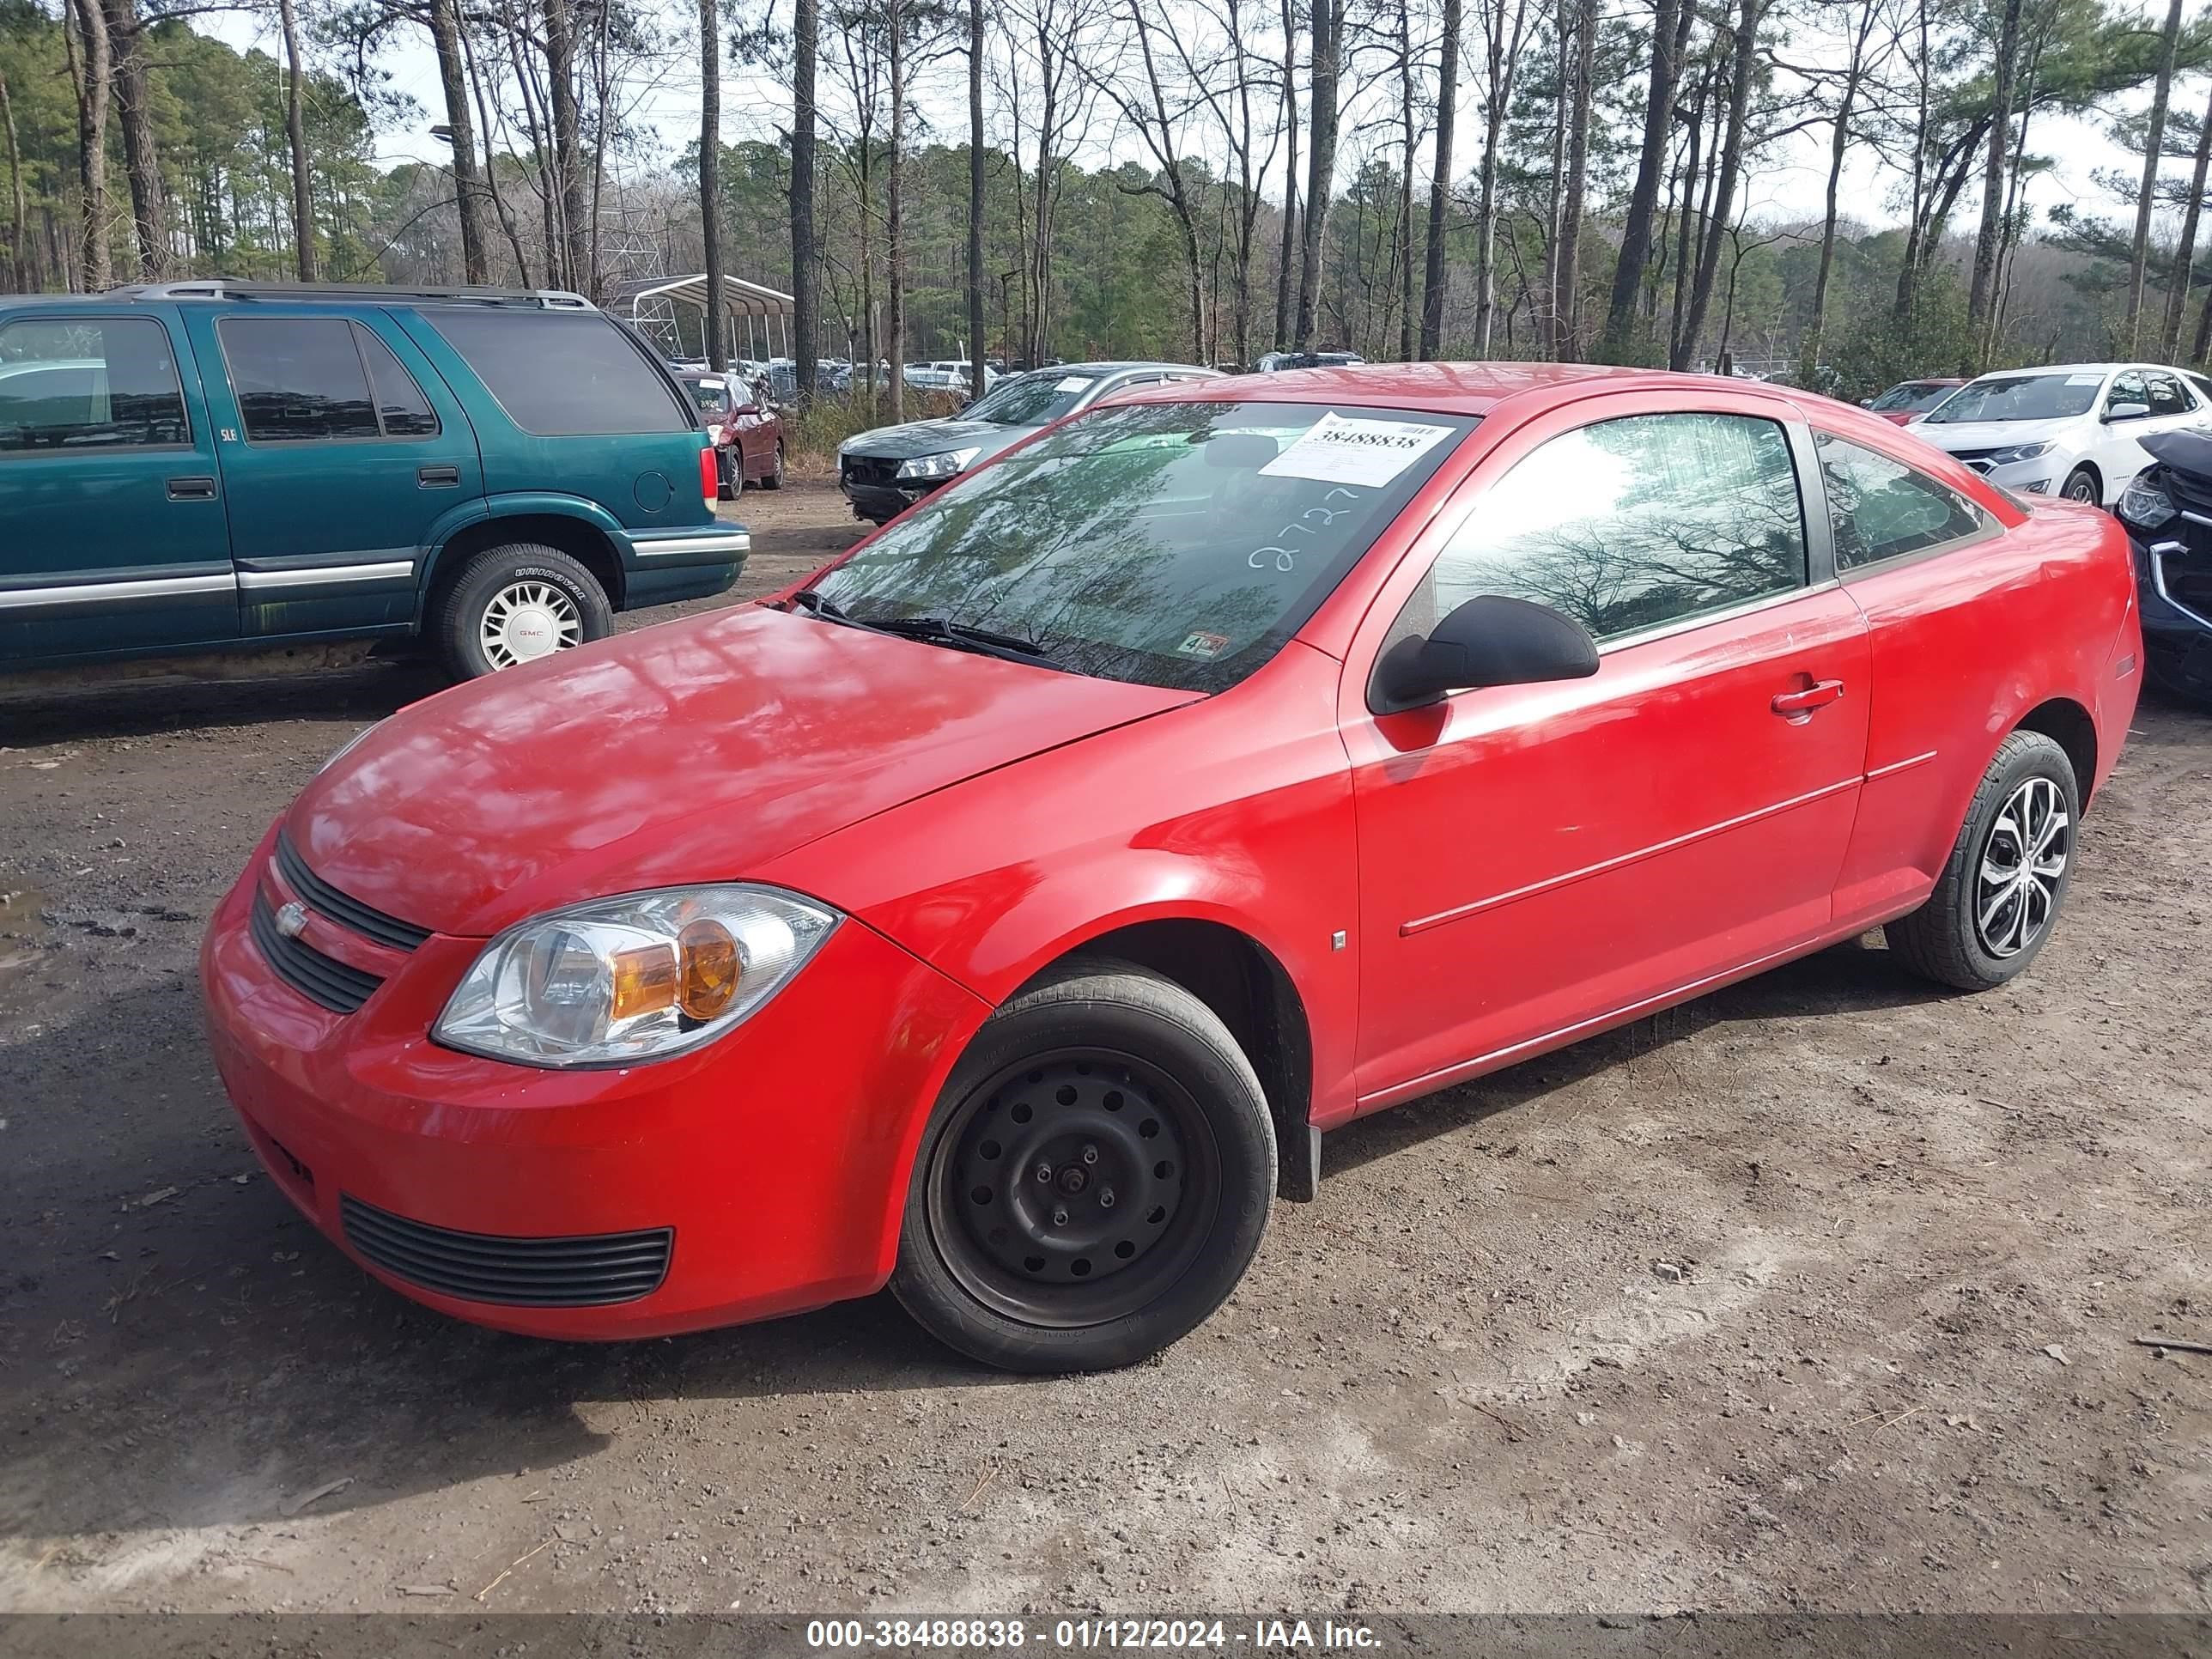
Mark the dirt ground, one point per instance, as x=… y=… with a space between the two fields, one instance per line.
x=1817 y=1294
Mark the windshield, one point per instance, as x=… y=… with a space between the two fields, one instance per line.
x=2020 y=397
x=1030 y=399
x=707 y=394
x=1173 y=544
x=1913 y=394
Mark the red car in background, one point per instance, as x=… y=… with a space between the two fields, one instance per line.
x=1006 y=913
x=743 y=425
x=1908 y=400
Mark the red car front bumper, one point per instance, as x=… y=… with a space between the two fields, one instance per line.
x=770 y=1165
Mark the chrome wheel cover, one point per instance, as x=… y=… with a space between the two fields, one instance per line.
x=527 y=620
x=2023 y=859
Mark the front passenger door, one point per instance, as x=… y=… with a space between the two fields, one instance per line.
x=1535 y=859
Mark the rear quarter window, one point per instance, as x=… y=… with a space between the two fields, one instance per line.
x=564 y=375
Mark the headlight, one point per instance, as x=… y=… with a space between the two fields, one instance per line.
x=2017 y=453
x=347 y=747
x=2142 y=502
x=939 y=466
x=636 y=978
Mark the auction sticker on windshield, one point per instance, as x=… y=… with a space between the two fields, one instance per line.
x=1338 y=450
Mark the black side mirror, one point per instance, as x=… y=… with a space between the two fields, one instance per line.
x=1489 y=640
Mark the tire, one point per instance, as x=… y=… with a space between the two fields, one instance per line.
x=1945 y=939
x=1105 y=1074
x=525 y=576
x=729 y=476
x=2081 y=485
x=774 y=479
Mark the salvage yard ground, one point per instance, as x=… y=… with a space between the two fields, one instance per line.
x=1820 y=1292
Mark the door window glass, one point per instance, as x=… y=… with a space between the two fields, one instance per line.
x=89 y=383
x=2127 y=388
x=1631 y=523
x=2166 y=397
x=564 y=374
x=1882 y=509
x=401 y=408
x=298 y=379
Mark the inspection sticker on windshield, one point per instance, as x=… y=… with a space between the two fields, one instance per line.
x=1203 y=645
x=1073 y=383
x=1335 y=450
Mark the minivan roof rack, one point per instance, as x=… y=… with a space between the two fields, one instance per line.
x=229 y=287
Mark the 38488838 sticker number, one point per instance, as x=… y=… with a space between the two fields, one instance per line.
x=1336 y=449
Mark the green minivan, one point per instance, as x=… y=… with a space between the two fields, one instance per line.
x=194 y=465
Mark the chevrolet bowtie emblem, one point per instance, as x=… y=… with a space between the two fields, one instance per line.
x=292 y=920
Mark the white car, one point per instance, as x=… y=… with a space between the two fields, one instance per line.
x=2067 y=431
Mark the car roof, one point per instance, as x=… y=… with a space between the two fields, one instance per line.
x=1098 y=370
x=2078 y=368
x=1448 y=388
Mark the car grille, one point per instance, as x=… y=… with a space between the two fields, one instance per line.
x=587 y=1272
x=338 y=985
x=2186 y=574
x=868 y=470
x=345 y=910
x=1977 y=459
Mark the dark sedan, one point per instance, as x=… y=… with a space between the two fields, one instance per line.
x=885 y=472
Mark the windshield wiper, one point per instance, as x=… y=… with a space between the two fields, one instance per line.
x=941 y=631
x=935 y=630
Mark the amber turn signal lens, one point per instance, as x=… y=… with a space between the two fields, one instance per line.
x=710 y=969
x=644 y=981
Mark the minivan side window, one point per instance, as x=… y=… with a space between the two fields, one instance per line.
x=563 y=374
x=1879 y=508
x=298 y=379
x=74 y=383
x=1631 y=525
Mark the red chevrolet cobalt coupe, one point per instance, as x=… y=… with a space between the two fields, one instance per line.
x=1004 y=913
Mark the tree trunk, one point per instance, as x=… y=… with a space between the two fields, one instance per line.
x=468 y=186
x=295 y=136
x=1432 y=284
x=1651 y=165
x=507 y=221
x=1498 y=52
x=976 y=197
x=710 y=176
x=19 y=210
x=1327 y=57
x=1407 y=324
x=1555 y=190
x=1743 y=53
x=1572 y=203
x=94 y=71
x=1287 y=254
x=575 y=239
x=1982 y=292
x=805 y=304
x=2185 y=256
x=2139 y=250
x=141 y=164
x=894 y=215
x=1809 y=352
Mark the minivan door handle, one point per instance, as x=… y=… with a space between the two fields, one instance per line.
x=191 y=490
x=438 y=477
x=1818 y=695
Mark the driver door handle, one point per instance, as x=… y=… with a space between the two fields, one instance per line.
x=1818 y=695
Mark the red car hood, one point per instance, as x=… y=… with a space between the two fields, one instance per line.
x=694 y=751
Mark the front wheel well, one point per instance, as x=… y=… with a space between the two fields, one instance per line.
x=1252 y=993
x=2069 y=724
x=579 y=538
x=2091 y=468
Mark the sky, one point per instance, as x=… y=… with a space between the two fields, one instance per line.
x=1785 y=183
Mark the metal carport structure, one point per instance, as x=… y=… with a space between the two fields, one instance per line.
x=657 y=305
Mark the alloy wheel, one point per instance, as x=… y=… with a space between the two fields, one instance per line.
x=527 y=620
x=2023 y=860
x=2082 y=488
x=1073 y=1188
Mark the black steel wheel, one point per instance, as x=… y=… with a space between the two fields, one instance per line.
x=1093 y=1181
